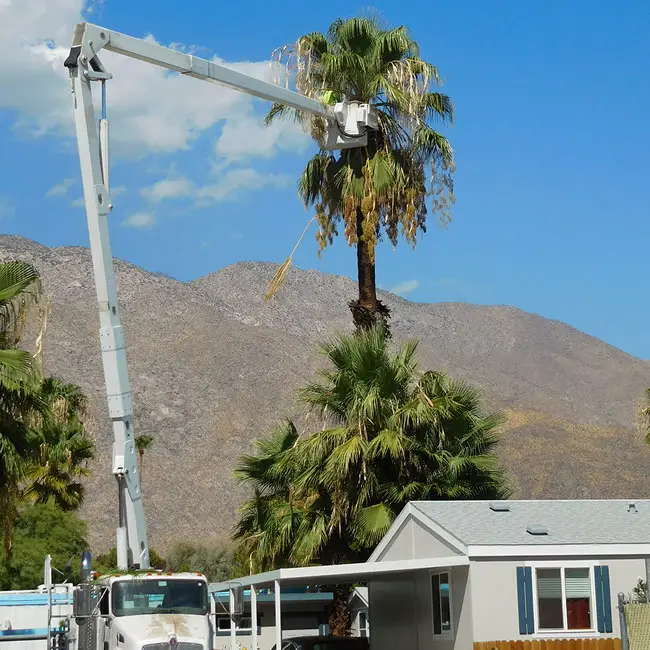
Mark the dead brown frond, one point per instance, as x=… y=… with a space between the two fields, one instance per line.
x=280 y=275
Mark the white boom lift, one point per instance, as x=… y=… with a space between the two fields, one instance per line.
x=142 y=609
x=348 y=125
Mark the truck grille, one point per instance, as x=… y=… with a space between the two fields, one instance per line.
x=181 y=645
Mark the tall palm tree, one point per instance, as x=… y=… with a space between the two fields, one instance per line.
x=143 y=443
x=19 y=290
x=61 y=447
x=385 y=434
x=384 y=186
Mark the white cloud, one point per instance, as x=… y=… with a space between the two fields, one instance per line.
x=61 y=189
x=249 y=137
x=403 y=288
x=237 y=180
x=151 y=110
x=168 y=188
x=141 y=220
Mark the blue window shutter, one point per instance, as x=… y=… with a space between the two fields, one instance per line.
x=525 y=600
x=603 y=599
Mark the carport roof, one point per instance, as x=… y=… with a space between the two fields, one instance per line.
x=339 y=573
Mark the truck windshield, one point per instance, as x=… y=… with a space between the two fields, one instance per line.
x=136 y=597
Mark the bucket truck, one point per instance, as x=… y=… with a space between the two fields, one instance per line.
x=137 y=608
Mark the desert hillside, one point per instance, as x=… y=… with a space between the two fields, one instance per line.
x=212 y=367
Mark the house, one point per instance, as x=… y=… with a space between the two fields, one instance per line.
x=466 y=575
x=304 y=613
x=359 y=612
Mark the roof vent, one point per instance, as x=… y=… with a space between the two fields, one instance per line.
x=536 y=529
x=500 y=506
x=631 y=507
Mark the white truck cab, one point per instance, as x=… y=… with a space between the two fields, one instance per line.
x=144 y=610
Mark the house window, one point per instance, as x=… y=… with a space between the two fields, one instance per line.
x=441 y=601
x=564 y=598
x=364 y=625
x=244 y=624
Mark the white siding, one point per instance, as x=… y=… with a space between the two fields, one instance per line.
x=494 y=595
x=426 y=544
x=401 y=546
x=413 y=541
x=494 y=600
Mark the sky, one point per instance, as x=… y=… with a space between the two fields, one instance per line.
x=551 y=139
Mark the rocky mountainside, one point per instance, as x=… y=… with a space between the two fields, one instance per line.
x=213 y=367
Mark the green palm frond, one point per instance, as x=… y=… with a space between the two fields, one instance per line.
x=408 y=165
x=389 y=434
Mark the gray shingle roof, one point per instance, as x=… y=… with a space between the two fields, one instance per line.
x=568 y=522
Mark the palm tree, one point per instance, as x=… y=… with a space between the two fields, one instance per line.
x=143 y=443
x=387 y=434
x=19 y=290
x=383 y=187
x=61 y=447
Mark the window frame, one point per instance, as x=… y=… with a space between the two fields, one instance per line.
x=444 y=635
x=563 y=565
x=363 y=630
x=238 y=630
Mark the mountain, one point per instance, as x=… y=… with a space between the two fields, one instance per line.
x=213 y=367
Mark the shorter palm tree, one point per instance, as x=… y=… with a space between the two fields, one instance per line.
x=385 y=434
x=61 y=447
x=143 y=443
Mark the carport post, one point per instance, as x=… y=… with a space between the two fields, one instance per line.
x=254 y=616
x=278 y=616
x=233 y=629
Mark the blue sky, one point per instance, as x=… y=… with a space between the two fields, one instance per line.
x=551 y=140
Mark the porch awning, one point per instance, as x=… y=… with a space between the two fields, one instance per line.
x=339 y=573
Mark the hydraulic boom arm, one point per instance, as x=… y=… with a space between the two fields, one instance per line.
x=348 y=123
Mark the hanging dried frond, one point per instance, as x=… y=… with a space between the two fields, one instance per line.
x=280 y=275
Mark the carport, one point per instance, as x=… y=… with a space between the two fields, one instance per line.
x=317 y=575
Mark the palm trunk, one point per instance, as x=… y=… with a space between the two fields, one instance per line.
x=140 y=459
x=8 y=520
x=367 y=311
x=340 y=619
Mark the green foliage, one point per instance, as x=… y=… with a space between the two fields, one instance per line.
x=43 y=445
x=61 y=448
x=383 y=435
x=143 y=443
x=640 y=592
x=19 y=395
x=215 y=562
x=107 y=562
x=41 y=530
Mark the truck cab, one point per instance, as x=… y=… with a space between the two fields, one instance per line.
x=152 y=610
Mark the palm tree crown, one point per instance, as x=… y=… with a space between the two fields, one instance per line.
x=387 y=435
x=384 y=186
